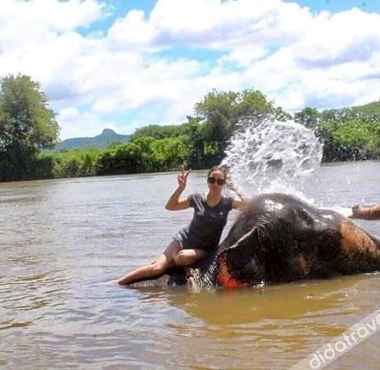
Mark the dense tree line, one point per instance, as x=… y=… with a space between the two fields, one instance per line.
x=28 y=129
x=346 y=134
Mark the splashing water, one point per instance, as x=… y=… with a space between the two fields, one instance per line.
x=266 y=155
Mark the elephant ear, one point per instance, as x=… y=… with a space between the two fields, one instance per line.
x=237 y=264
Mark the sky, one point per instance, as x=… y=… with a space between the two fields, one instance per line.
x=124 y=64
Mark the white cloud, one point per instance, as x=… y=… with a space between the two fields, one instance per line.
x=132 y=31
x=244 y=57
x=28 y=23
x=82 y=124
x=39 y=38
x=281 y=48
x=339 y=38
x=211 y=23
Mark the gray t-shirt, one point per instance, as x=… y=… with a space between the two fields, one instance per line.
x=206 y=227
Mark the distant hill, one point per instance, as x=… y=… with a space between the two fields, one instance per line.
x=367 y=110
x=106 y=138
x=373 y=107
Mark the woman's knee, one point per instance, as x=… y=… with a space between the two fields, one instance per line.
x=171 y=250
x=180 y=258
x=187 y=257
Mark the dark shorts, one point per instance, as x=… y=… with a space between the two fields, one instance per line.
x=187 y=241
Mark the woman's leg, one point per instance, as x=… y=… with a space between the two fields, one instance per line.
x=155 y=269
x=186 y=257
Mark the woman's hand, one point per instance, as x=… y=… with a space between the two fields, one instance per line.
x=229 y=183
x=182 y=178
x=243 y=200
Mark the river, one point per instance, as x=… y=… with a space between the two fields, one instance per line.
x=63 y=241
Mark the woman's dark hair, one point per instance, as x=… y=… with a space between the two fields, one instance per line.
x=222 y=169
x=227 y=177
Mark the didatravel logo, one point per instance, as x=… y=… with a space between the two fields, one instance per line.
x=329 y=352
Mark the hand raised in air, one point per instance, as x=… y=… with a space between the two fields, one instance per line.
x=182 y=178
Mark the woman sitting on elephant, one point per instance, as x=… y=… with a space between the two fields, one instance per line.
x=202 y=236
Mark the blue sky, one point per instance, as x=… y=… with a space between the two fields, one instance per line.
x=125 y=64
x=340 y=5
x=122 y=7
x=119 y=9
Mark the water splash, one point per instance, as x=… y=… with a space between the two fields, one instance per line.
x=266 y=155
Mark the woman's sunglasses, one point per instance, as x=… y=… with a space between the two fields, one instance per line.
x=213 y=180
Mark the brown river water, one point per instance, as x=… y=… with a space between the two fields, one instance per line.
x=62 y=242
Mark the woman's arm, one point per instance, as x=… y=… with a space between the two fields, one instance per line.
x=175 y=202
x=366 y=213
x=238 y=203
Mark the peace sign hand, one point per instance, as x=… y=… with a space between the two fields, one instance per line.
x=182 y=178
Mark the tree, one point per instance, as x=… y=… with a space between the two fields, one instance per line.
x=158 y=132
x=195 y=138
x=26 y=126
x=221 y=111
x=170 y=153
x=218 y=109
x=347 y=135
x=309 y=117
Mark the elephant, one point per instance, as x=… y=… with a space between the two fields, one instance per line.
x=278 y=238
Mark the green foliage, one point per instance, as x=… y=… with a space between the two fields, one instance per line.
x=170 y=152
x=71 y=163
x=26 y=126
x=25 y=118
x=143 y=154
x=200 y=142
x=371 y=108
x=353 y=133
x=195 y=134
x=159 y=132
x=348 y=134
x=221 y=112
x=309 y=117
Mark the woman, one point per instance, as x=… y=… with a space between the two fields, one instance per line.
x=193 y=243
